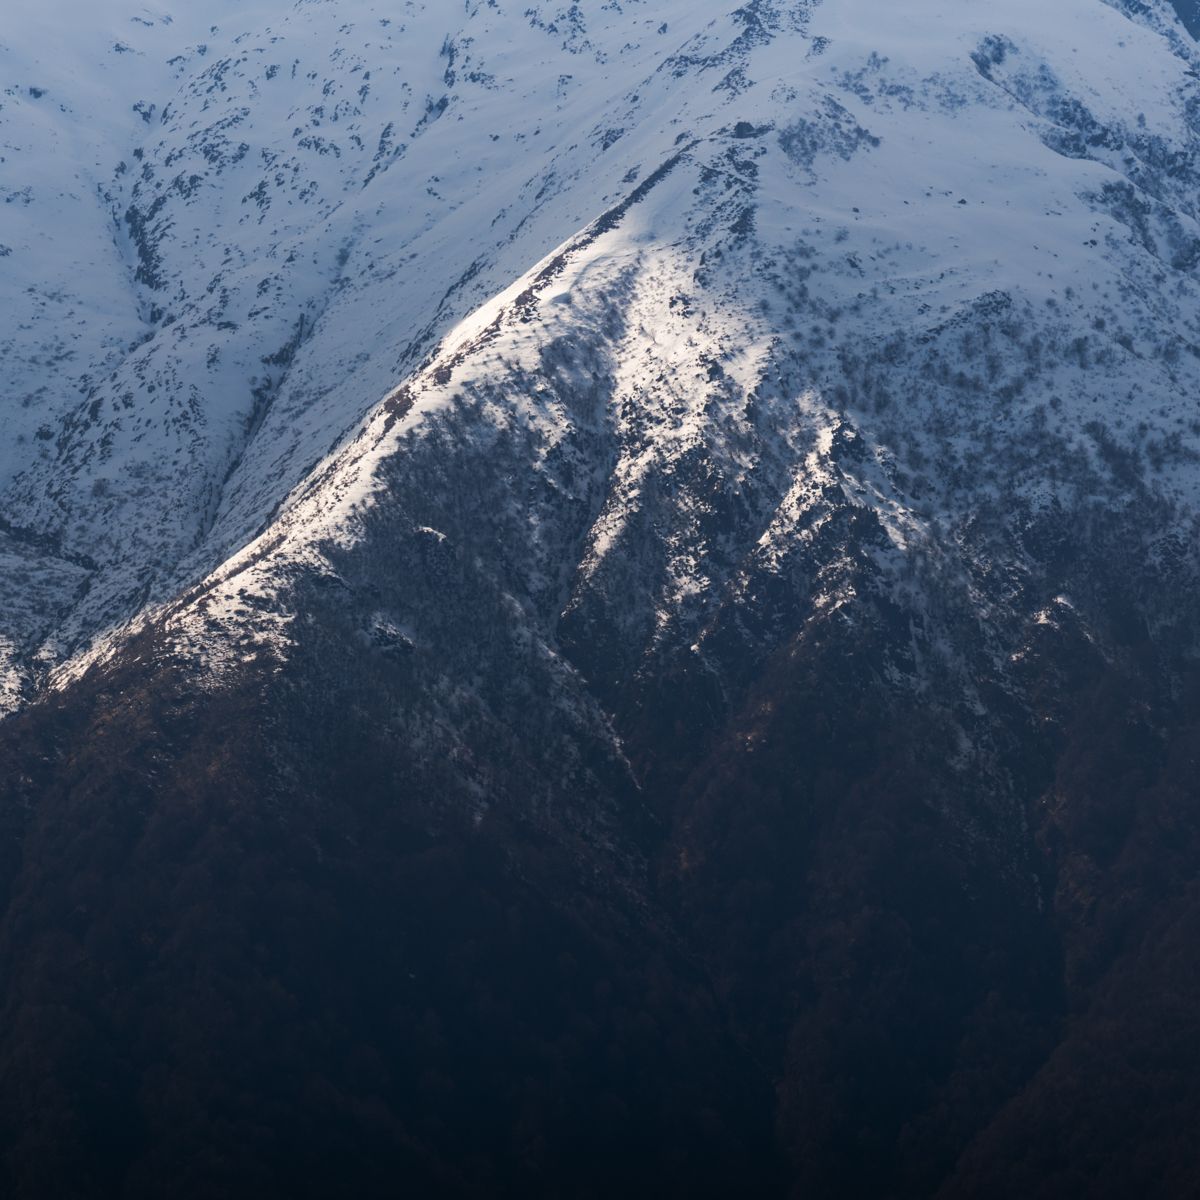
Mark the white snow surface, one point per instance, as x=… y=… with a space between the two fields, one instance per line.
x=249 y=252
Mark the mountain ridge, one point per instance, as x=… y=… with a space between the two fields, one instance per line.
x=707 y=668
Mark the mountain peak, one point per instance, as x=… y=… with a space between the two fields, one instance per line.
x=620 y=568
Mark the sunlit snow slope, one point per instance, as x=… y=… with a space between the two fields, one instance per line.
x=227 y=240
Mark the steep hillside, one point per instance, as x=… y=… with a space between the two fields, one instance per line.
x=603 y=599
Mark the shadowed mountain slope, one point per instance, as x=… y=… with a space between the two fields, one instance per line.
x=638 y=646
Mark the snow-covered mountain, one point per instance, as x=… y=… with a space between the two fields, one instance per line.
x=748 y=455
x=229 y=240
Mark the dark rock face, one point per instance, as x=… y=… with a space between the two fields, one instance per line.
x=725 y=724
x=257 y=944
x=275 y=966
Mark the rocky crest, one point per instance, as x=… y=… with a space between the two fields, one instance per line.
x=611 y=604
